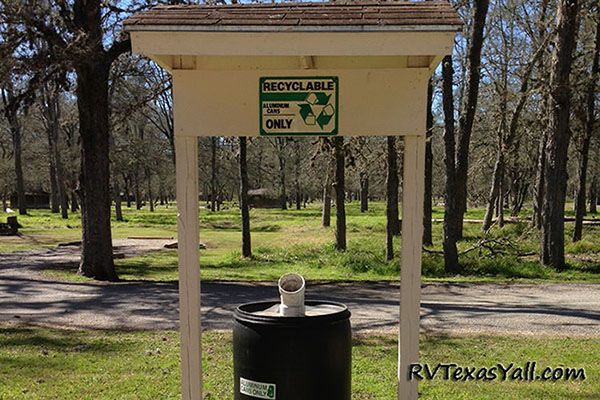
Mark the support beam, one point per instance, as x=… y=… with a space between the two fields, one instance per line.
x=186 y=148
x=410 y=272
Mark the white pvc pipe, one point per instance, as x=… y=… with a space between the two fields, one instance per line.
x=291 y=289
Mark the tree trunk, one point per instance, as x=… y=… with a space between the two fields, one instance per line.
x=150 y=195
x=137 y=194
x=501 y=199
x=340 y=194
x=51 y=113
x=555 y=185
x=585 y=140
x=364 y=192
x=538 y=197
x=127 y=181
x=258 y=174
x=494 y=191
x=281 y=158
x=467 y=116
x=593 y=196
x=54 y=202
x=74 y=201
x=61 y=203
x=392 y=183
x=15 y=130
x=451 y=210
x=326 y=215
x=92 y=101
x=11 y=112
x=520 y=200
x=4 y=201
x=64 y=201
x=161 y=192
x=246 y=242
x=428 y=195
x=297 y=176
x=117 y=199
x=495 y=196
x=282 y=191
x=213 y=170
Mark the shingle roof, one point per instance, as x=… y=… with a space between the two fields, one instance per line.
x=337 y=16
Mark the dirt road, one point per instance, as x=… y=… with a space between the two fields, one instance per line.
x=549 y=309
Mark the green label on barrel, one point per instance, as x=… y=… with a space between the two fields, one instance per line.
x=259 y=390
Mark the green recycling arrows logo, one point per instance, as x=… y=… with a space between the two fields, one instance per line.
x=318 y=102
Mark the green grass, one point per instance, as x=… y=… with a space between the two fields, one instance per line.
x=294 y=240
x=38 y=363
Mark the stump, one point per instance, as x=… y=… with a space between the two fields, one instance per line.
x=10 y=228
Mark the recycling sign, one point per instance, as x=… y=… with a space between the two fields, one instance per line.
x=298 y=106
x=258 y=390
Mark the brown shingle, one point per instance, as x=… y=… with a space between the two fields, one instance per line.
x=368 y=15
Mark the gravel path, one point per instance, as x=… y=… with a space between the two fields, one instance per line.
x=549 y=309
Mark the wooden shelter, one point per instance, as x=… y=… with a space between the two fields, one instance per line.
x=352 y=69
x=263 y=198
x=36 y=199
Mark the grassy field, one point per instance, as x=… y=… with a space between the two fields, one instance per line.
x=294 y=240
x=40 y=363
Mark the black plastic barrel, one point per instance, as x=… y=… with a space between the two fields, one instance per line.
x=292 y=358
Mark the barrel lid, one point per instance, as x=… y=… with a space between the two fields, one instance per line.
x=268 y=312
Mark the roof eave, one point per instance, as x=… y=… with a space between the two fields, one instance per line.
x=292 y=28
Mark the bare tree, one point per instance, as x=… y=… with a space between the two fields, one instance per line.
x=51 y=113
x=458 y=149
x=246 y=240
x=593 y=196
x=585 y=139
x=555 y=180
x=74 y=34
x=213 y=173
x=469 y=107
x=160 y=97
x=451 y=212
x=427 y=199
x=280 y=146
x=297 y=165
x=393 y=183
x=326 y=212
x=538 y=196
x=507 y=130
x=12 y=107
x=364 y=191
x=340 y=193
x=116 y=192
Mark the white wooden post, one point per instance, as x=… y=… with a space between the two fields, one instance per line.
x=410 y=273
x=186 y=149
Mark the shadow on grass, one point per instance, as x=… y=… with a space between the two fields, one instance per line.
x=229 y=225
x=63 y=341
